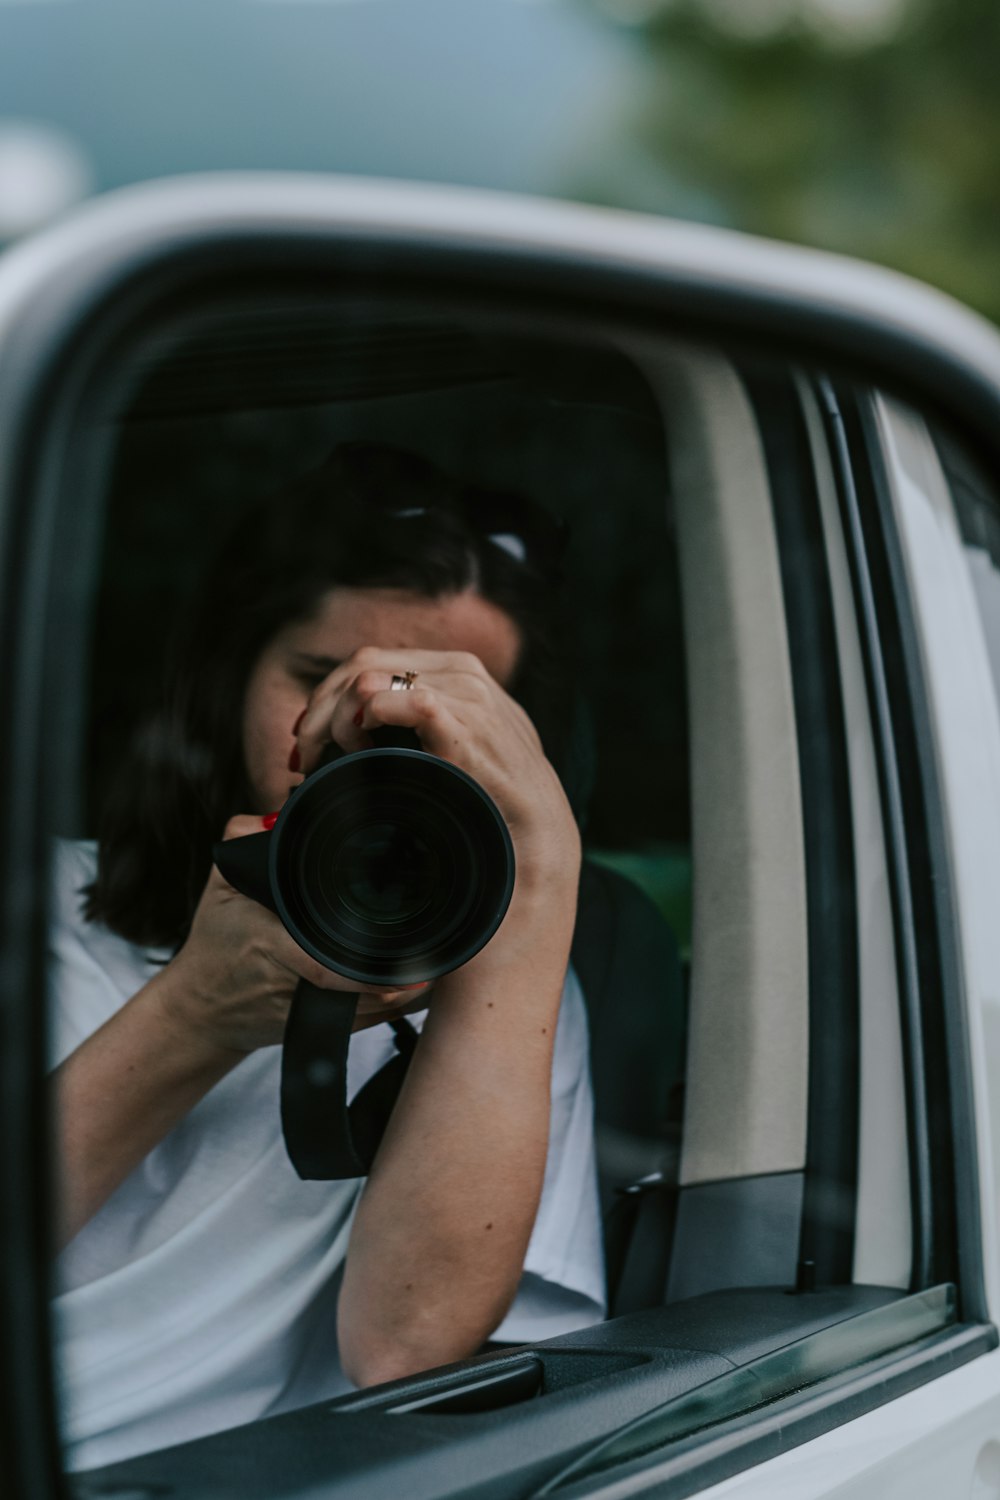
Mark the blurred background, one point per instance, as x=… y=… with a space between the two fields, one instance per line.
x=867 y=126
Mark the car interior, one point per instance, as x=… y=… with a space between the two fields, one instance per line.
x=735 y=944
x=237 y=408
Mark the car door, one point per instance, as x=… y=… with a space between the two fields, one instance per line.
x=804 y=1269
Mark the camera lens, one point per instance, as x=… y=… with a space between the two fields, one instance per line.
x=383 y=869
x=391 y=866
x=384 y=873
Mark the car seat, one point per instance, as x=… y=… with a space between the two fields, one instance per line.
x=628 y=964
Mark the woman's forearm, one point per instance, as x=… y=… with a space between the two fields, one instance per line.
x=443 y=1225
x=224 y=994
x=120 y=1093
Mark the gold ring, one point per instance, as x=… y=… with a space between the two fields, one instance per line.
x=403 y=683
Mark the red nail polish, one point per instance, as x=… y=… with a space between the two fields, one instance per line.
x=269 y=820
x=294 y=760
x=421 y=986
x=359 y=717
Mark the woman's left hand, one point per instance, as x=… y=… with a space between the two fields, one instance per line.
x=460 y=713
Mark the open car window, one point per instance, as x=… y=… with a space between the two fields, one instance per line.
x=227 y=418
x=748 y=1221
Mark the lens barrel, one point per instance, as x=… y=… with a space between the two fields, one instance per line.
x=391 y=866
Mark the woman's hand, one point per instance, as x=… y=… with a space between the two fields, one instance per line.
x=226 y=993
x=232 y=983
x=462 y=714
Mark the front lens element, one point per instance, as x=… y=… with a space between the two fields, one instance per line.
x=383 y=873
x=392 y=866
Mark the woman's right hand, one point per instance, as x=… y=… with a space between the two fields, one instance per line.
x=231 y=985
x=226 y=993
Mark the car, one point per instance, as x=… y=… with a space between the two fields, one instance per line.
x=780 y=471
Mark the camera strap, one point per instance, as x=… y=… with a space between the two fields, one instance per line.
x=327 y=1138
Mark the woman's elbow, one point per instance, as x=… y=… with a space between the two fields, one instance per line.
x=376 y=1366
x=373 y=1355
x=374 y=1349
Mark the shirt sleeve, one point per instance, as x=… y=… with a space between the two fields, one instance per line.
x=91 y=972
x=80 y=999
x=563 y=1287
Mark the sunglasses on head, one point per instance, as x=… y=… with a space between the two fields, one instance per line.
x=404 y=487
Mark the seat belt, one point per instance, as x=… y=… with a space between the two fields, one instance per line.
x=623 y=947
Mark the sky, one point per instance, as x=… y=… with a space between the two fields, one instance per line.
x=516 y=94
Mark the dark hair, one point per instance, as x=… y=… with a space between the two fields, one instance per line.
x=371 y=517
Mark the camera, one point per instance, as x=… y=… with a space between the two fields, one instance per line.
x=390 y=866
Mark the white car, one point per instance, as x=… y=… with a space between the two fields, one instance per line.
x=799 y=1100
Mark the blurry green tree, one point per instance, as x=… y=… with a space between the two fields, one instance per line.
x=865 y=126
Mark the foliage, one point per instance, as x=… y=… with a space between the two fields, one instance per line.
x=883 y=145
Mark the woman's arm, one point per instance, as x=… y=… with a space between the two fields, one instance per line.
x=226 y=993
x=120 y=1093
x=443 y=1225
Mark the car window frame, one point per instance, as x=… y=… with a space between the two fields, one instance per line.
x=51 y=357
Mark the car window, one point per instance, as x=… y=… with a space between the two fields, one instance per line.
x=419 y=429
x=726 y=1164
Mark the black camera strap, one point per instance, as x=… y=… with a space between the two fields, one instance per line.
x=326 y=1137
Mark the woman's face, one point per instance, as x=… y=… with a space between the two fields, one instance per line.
x=304 y=652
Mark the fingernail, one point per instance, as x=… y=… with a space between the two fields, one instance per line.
x=294 y=760
x=421 y=986
x=269 y=820
x=359 y=717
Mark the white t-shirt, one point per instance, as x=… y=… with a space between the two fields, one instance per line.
x=203 y=1294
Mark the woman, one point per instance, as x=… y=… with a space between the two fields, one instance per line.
x=199 y=1286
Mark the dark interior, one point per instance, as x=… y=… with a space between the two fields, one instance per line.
x=228 y=407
